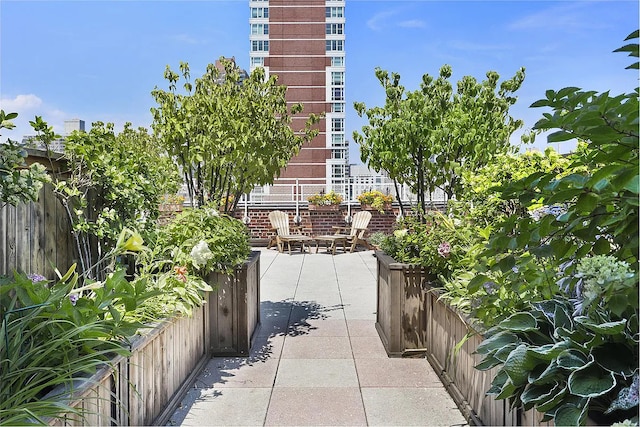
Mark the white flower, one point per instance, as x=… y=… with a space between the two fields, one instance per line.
x=400 y=233
x=200 y=254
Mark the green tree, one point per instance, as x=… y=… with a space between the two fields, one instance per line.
x=19 y=183
x=428 y=137
x=228 y=134
x=115 y=182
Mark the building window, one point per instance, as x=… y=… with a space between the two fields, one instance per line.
x=337 y=154
x=337 y=125
x=338 y=171
x=259 y=12
x=337 y=61
x=337 y=94
x=337 y=78
x=337 y=107
x=335 y=45
x=259 y=45
x=337 y=140
x=334 y=28
x=334 y=12
x=257 y=61
x=259 y=29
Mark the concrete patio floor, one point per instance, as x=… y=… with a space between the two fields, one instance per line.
x=317 y=358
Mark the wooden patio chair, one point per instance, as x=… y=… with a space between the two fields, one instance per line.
x=280 y=223
x=359 y=226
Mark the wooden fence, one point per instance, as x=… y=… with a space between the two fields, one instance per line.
x=36 y=237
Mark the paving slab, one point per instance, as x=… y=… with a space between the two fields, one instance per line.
x=317 y=358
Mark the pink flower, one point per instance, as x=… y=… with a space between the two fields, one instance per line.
x=181 y=272
x=444 y=250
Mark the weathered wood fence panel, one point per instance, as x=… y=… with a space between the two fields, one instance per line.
x=36 y=237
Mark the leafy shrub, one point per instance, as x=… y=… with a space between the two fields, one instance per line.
x=376 y=199
x=19 y=183
x=322 y=199
x=574 y=347
x=440 y=244
x=203 y=240
x=574 y=353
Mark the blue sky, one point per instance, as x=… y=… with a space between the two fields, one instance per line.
x=100 y=60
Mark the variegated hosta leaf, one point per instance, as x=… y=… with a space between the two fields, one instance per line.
x=572 y=359
x=496 y=342
x=519 y=364
x=591 y=381
x=520 y=322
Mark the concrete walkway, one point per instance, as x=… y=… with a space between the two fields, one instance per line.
x=317 y=358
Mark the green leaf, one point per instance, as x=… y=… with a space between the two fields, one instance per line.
x=520 y=322
x=616 y=358
x=519 y=364
x=591 y=381
x=569 y=415
x=587 y=202
x=553 y=401
x=496 y=342
x=560 y=136
x=572 y=359
x=607 y=328
x=549 y=352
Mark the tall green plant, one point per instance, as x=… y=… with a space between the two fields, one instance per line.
x=574 y=348
x=19 y=182
x=114 y=183
x=428 y=137
x=228 y=134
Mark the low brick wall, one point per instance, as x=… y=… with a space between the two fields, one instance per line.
x=314 y=223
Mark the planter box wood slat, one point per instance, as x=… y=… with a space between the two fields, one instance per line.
x=411 y=319
x=145 y=387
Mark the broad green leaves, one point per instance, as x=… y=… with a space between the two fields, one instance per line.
x=428 y=137
x=227 y=133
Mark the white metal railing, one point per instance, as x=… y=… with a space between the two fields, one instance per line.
x=299 y=193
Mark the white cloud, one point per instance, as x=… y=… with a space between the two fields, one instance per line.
x=28 y=106
x=383 y=20
x=380 y=20
x=413 y=23
x=20 y=103
x=566 y=17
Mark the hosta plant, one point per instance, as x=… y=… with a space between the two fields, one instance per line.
x=573 y=356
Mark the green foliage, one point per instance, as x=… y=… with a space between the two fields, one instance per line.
x=228 y=134
x=480 y=198
x=427 y=138
x=440 y=244
x=580 y=252
x=115 y=183
x=19 y=183
x=376 y=199
x=53 y=333
x=322 y=199
x=225 y=247
x=566 y=360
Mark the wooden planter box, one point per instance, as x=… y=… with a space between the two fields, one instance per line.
x=234 y=308
x=401 y=318
x=146 y=387
x=454 y=364
x=412 y=320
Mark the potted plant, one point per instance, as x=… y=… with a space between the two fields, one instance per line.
x=216 y=247
x=375 y=200
x=325 y=202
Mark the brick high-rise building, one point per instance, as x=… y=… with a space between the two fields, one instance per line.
x=303 y=42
